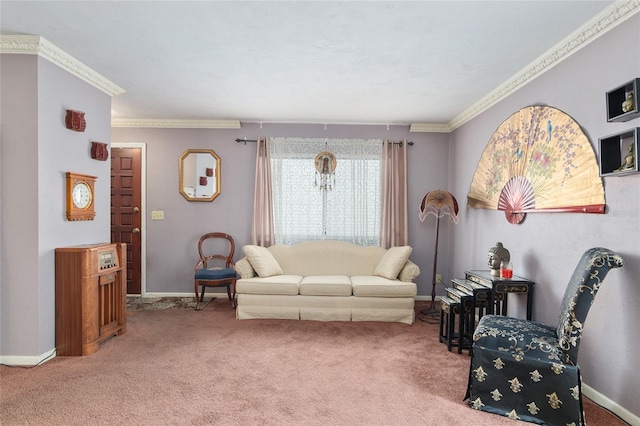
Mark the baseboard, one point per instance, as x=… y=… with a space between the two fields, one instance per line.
x=190 y=294
x=610 y=405
x=223 y=294
x=27 y=361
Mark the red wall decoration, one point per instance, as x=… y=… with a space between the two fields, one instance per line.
x=99 y=151
x=75 y=120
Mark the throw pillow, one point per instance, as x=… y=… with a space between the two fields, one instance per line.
x=244 y=268
x=262 y=261
x=392 y=262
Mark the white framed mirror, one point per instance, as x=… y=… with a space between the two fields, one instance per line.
x=199 y=175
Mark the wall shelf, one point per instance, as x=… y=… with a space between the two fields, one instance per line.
x=614 y=150
x=617 y=96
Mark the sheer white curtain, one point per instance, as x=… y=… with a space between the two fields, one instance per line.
x=350 y=211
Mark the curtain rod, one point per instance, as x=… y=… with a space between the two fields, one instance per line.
x=245 y=140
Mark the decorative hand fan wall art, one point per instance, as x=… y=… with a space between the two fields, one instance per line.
x=538 y=160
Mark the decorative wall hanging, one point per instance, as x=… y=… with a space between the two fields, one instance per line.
x=538 y=160
x=203 y=181
x=209 y=171
x=326 y=167
x=75 y=121
x=99 y=151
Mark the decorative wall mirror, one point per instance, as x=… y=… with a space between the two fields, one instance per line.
x=199 y=175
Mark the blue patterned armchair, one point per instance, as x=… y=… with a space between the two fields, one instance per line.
x=529 y=371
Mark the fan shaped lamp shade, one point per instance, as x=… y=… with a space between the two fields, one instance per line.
x=439 y=203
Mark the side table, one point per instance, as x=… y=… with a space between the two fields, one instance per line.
x=500 y=289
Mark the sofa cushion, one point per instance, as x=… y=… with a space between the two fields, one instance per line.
x=375 y=286
x=262 y=261
x=392 y=262
x=326 y=285
x=278 y=284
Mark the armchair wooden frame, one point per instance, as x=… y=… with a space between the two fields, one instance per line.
x=206 y=276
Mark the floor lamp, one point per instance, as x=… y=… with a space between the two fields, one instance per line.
x=438 y=203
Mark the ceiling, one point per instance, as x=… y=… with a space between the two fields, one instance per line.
x=397 y=62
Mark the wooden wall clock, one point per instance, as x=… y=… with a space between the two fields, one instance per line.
x=80 y=196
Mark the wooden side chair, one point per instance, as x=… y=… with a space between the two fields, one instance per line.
x=528 y=370
x=216 y=266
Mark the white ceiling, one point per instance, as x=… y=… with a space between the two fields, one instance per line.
x=396 y=62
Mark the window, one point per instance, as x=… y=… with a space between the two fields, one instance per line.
x=348 y=211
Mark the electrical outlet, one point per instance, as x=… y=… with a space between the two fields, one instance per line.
x=438 y=278
x=157 y=215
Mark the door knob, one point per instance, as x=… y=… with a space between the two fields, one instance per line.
x=136 y=210
x=136 y=230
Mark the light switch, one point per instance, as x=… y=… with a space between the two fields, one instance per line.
x=157 y=215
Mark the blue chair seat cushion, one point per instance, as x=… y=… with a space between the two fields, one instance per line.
x=215 y=273
x=518 y=338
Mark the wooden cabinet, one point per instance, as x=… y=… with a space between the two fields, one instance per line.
x=91 y=296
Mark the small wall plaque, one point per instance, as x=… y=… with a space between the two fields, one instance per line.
x=75 y=120
x=99 y=151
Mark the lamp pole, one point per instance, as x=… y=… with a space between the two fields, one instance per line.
x=435 y=267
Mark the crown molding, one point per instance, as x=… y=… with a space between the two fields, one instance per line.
x=429 y=128
x=36 y=45
x=610 y=17
x=178 y=124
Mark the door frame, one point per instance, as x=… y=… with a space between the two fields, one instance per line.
x=143 y=207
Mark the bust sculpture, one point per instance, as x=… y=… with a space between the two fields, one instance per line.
x=628 y=105
x=497 y=255
x=629 y=160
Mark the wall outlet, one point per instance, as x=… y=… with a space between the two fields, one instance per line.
x=157 y=215
x=438 y=278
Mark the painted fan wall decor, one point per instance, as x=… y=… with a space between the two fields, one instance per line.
x=538 y=160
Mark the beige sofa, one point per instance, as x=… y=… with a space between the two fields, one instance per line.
x=326 y=281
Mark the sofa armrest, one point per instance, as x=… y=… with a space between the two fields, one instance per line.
x=409 y=272
x=244 y=268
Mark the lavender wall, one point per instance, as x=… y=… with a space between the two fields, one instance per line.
x=37 y=151
x=171 y=244
x=19 y=225
x=546 y=246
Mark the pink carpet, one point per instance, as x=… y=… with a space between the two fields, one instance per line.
x=181 y=367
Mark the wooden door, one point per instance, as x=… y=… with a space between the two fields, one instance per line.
x=126 y=210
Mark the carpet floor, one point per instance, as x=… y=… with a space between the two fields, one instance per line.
x=176 y=366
